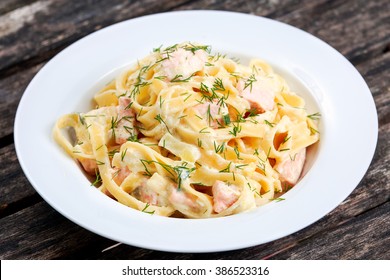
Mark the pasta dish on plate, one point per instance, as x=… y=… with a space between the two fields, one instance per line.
x=188 y=133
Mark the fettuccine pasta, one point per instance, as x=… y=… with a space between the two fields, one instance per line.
x=187 y=133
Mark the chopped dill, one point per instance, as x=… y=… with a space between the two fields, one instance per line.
x=249 y=82
x=314 y=116
x=226 y=169
x=178 y=78
x=123 y=154
x=146 y=211
x=160 y=120
x=269 y=123
x=219 y=149
x=97 y=178
x=218 y=85
x=204 y=130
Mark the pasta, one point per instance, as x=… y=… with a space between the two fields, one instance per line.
x=188 y=133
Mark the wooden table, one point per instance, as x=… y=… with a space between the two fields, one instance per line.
x=32 y=32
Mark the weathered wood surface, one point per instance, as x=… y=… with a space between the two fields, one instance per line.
x=31 y=32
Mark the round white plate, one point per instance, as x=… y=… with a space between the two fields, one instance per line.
x=329 y=83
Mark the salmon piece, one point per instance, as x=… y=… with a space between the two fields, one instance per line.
x=291 y=168
x=89 y=165
x=224 y=195
x=184 y=63
x=125 y=122
x=121 y=174
x=260 y=97
x=215 y=117
x=180 y=197
x=147 y=195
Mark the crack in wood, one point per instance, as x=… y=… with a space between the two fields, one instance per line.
x=6 y=140
x=25 y=202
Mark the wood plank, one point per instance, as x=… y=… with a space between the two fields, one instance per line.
x=364 y=237
x=10 y=5
x=15 y=190
x=39 y=232
x=377 y=75
x=11 y=90
x=272 y=9
x=64 y=22
x=44 y=25
x=358 y=29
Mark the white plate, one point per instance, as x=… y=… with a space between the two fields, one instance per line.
x=328 y=82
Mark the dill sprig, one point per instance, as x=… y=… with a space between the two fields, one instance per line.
x=293 y=158
x=313 y=130
x=286 y=139
x=157 y=49
x=146 y=211
x=112 y=152
x=217 y=56
x=123 y=154
x=160 y=77
x=98 y=179
x=261 y=166
x=208 y=114
x=82 y=119
x=278 y=199
x=178 y=173
x=98 y=148
x=193 y=48
x=269 y=123
x=226 y=169
x=226 y=119
x=137 y=88
x=253 y=189
x=161 y=101
x=179 y=78
x=236 y=129
x=133 y=137
x=315 y=116
x=219 y=149
x=114 y=124
x=237 y=152
x=160 y=120
x=204 y=130
x=240 y=166
x=204 y=88
x=199 y=143
x=249 y=82
x=218 y=85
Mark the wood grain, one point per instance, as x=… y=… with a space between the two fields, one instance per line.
x=10 y=5
x=15 y=190
x=348 y=26
x=54 y=23
x=366 y=236
x=11 y=90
